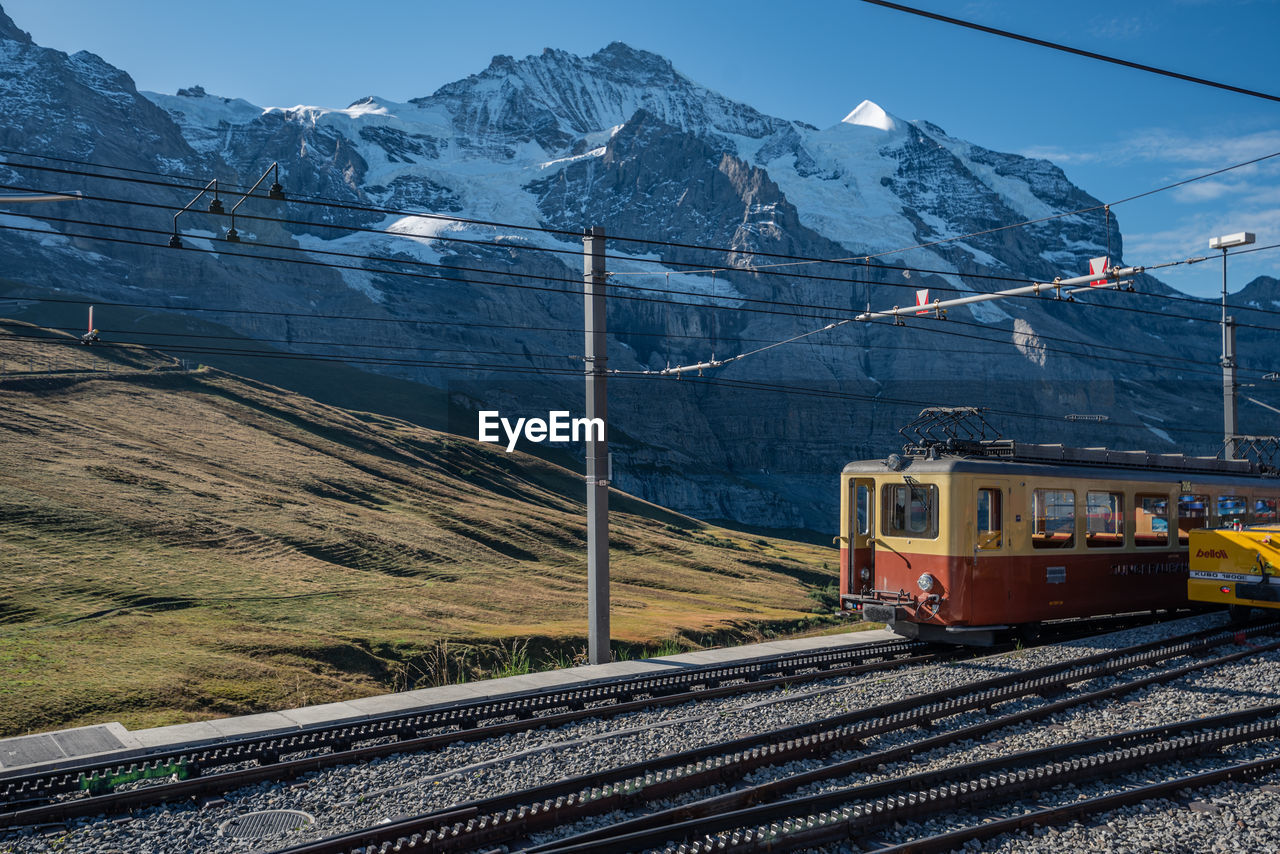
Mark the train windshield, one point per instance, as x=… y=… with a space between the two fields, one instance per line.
x=910 y=510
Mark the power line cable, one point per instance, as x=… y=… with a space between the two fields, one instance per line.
x=670 y=244
x=300 y=198
x=413 y=262
x=701 y=268
x=568 y=372
x=400 y=273
x=940 y=330
x=837 y=310
x=807 y=391
x=999 y=343
x=306 y=357
x=1177 y=75
x=697 y=294
x=295 y=341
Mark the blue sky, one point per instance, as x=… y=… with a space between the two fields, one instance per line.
x=1115 y=131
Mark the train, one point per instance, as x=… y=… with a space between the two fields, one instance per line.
x=971 y=540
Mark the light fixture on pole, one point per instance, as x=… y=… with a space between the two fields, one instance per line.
x=1225 y=242
x=215 y=207
x=275 y=192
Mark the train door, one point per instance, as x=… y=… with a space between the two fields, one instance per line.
x=862 y=555
x=986 y=586
x=990 y=520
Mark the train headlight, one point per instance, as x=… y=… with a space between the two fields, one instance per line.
x=865 y=574
x=925 y=582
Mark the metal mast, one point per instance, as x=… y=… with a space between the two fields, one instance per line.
x=593 y=289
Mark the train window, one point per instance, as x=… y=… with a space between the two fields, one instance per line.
x=990 y=525
x=1054 y=515
x=1104 y=519
x=910 y=510
x=1231 y=510
x=1193 y=512
x=1264 y=511
x=1151 y=520
x=862 y=501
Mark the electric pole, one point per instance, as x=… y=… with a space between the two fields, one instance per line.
x=593 y=289
x=1229 y=430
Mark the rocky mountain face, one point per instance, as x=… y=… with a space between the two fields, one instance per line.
x=621 y=140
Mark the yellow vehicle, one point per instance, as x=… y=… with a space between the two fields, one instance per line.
x=1237 y=568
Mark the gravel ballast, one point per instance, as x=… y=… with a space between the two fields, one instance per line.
x=348 y=798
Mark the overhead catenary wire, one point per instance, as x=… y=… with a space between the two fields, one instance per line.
x=736 y=299
x=310 y=357
x=1127 y=350
x=781 y=313
x=668 y=244
x=695 y=305
x=937 y=307
x=699 y=294
x=802 y=391
x=761 y=271
x=996 y=342
x=809 y=391
x=856 y=258
x=940 y=329
x=299 y=198
x=1088 y=54
x=188 y=336
x=731 y=298
x=399 y=273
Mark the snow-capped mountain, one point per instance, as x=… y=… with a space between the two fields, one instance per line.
x=622 y=140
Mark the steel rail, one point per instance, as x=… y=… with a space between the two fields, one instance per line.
x=713 y=813
x=514 y=815
x=910 y=798
x=758 y=803
x=1080 y=809
x=31 y=794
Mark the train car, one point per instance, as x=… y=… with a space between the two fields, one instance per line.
x=1237 y=568
x=964 y=541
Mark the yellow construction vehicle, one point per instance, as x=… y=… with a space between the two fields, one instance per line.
x=1239 y=568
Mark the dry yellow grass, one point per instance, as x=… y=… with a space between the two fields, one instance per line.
x=185 y=544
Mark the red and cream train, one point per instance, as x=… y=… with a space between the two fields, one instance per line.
x=994 y=535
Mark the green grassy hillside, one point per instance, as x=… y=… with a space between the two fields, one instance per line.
x=179 y=544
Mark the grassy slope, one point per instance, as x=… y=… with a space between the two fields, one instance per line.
x=177 y=545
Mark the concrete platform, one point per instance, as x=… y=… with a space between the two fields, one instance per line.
x=110 y=742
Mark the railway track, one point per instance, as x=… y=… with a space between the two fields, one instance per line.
x=516 y=821
x=90 y=788
x=861 y=811
x=106 y=786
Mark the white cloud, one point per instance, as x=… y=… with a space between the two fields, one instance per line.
x=1162 y=146
x=1117 y=28
x=1204 y=191
x=1189 y=237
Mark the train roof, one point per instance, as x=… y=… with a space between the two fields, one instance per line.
x=1006 y=455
